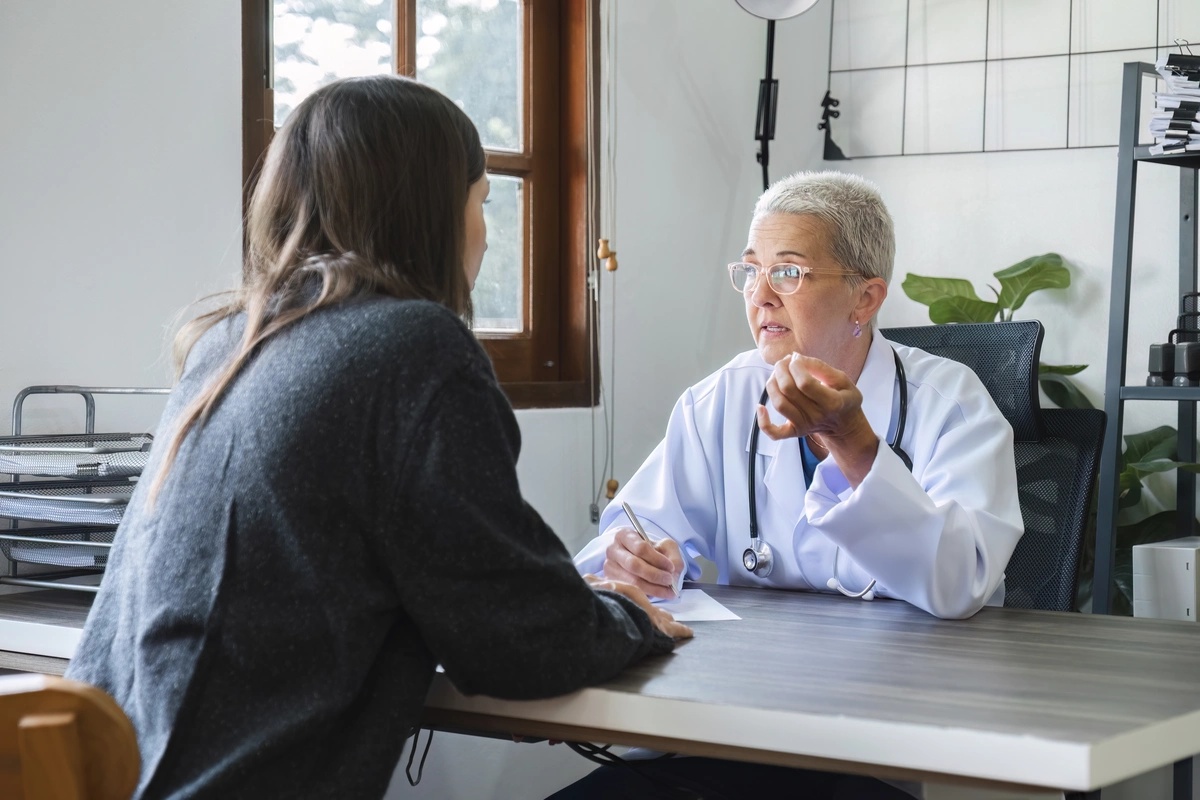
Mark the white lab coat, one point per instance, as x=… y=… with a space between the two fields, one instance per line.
x=938 y=537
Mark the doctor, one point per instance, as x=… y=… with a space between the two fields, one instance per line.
x=880 y=470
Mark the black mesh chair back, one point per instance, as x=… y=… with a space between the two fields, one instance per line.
x=1003 y=354
x=1057 y=453
x=1056 y=477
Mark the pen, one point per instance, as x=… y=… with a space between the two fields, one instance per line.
x=677 y=586
x=637 y=523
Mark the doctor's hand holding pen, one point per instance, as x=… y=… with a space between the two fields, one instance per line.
x=654 y=567
x=661 y=618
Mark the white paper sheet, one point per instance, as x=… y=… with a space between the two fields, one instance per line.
x=694 y=605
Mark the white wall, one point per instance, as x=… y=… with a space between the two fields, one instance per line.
x=120 y=196
x=120 y=168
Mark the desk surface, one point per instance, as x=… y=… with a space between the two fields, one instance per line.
x=34 y=623
x=1063 y=701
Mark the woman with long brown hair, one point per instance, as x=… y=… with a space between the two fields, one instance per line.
x=334 y=508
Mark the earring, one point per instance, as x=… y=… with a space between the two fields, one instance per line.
x=857 y=329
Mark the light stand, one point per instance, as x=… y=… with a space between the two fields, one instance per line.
x=768 y=87
x=768 y=103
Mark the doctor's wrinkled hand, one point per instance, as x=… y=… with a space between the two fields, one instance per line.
x=661 y=619
x=822 y=403
x=653 y=568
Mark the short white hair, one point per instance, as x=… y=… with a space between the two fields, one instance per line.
x=862 y=237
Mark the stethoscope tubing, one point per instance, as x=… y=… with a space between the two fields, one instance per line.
x=761 y=547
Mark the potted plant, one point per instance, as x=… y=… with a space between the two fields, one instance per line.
x=953 y=300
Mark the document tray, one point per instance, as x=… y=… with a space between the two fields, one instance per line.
x=88 y=455
x=75 y=547
x=73 y=502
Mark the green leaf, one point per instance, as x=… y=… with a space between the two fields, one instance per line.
x=1122 y=598
x=1154 y=528
x=1031 y=275
x=1144 y=468
x=1031 y=264
x=1062 y=391
x=1061 y=369
x=962 y=309
x=1146 y=453
x=1150 y=445
x=927 y=290
x=1130 y=488
x=1083 y=590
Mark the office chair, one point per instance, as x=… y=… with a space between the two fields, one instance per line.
x=1057 y=453
x=64 y=740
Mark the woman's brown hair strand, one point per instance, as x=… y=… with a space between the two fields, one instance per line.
x=363 y=190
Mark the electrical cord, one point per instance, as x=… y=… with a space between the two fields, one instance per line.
x=608 y=222
x=412 y=755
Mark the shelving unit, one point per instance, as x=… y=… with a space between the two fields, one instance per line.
x=1130 y=155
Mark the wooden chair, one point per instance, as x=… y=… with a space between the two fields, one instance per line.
x=64 y=740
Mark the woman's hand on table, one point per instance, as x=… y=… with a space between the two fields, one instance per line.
x=660 y=618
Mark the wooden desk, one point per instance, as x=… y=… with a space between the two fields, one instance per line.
x=1007 y=698
x=1038 y=700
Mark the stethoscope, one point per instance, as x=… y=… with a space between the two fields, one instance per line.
x=758 y=558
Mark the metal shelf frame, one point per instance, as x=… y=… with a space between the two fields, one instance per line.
x=1116 y=393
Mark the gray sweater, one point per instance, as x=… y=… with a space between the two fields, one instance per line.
x=348 y=517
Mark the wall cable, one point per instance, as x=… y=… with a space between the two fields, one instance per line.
x=606 y=172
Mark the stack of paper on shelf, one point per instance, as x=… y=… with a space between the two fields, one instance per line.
x=1175 y=124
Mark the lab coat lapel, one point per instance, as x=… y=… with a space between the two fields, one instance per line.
x=878 y=386
x=781 y=471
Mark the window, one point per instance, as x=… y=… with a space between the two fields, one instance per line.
x=519 y=68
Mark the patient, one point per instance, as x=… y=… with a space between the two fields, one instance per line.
x=334 y=509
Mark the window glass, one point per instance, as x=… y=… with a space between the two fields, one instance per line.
x=497 y=295
x=318 y=41
x=468 y=49
x=471 y=51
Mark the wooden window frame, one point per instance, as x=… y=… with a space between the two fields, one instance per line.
x=549 y=365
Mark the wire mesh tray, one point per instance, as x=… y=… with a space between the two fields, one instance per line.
x=74 y=547
x=89 y=455
x=89 y=502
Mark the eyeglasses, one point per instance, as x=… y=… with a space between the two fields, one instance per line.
x=784 y=278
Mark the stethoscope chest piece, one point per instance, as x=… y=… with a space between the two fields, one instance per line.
x=757 y=558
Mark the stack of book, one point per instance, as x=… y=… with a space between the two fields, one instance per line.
x=1175 y=124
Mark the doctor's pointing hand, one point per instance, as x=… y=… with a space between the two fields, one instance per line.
x=820 y=402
